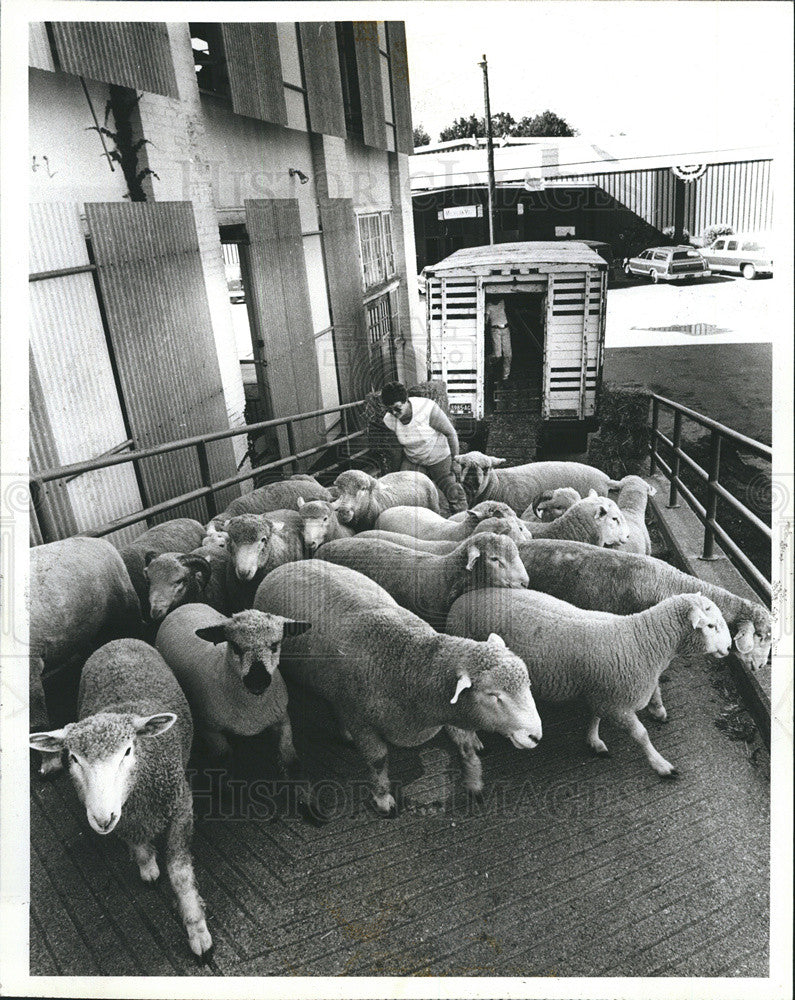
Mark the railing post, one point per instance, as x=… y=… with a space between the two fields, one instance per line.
x=204 y=471
x=655 y=420
x=291 y=443
x=344 y=416
x=712 y=496
x=673 y=497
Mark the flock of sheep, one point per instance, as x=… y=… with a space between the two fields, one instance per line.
x=406 y=622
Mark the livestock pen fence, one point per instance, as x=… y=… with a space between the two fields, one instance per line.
x=350 y=417
x=707 y=481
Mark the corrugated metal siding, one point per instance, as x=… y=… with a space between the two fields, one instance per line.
x=75 y=411
x=39 y=53
x=322 y=73
x=280 y=300
x=54 y=518
x=132 y=54
x=368 y=62
x=155 y=300
x=254 y=65
x=401 y=98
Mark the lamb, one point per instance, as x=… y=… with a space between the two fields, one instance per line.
x=633 y=495
x=390 y=677
x=489 y=508
x=81 y=596
x=177 y=578
x=511 y=527
x=595 y=520
x=362 y=498
x=182 y=534
x=518 y=486
x=426 y=524
x=127 y=756
x=233 y=686
x=428 y=584
x=612 y=661
x=628 y=582
x=319 y=524
x=551 y=504
x=282 y=495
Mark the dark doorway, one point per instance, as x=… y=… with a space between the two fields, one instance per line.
x=526 y=312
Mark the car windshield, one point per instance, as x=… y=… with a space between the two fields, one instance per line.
x=684 y=254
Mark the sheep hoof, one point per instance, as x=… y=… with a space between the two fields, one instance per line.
x=475 y=797
x=673 y=773
x=201 y=943
x=659 y=715
x=149 y=873
x=599 y=750
x=385 y=806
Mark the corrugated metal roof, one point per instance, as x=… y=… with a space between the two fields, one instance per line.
x=517 y=254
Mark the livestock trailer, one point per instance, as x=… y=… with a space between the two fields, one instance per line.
x=555 y=299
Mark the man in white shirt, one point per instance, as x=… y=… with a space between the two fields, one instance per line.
x=428 y=439
x=497 y=321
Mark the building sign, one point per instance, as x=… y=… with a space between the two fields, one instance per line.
x=462 y=212
x=690 y=172
x=564 y=231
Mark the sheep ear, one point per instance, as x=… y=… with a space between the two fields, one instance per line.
x=153 y=725
x=601 y=511
x=299 y=502
x=494 y=462
x=276 y=526
x=472 y=517
x=592 y=493
x=149 y=555
x=295 y=628
x=212 y=633
x=473 y=554
x=744 y=639
x=652 y=490
x=334 y=491
x=51 y=742
x=697 y=616
x=496 y=640
x=464 y=681
x=200 y=567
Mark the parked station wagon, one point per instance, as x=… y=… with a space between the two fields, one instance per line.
x=667 y=264
x=739 y=254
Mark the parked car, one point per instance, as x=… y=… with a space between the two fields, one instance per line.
x=742 y=253
x=667 y=264
x=237 y=293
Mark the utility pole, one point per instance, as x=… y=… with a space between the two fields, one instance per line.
x=490 y=146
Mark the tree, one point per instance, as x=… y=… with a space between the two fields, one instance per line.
x=503 y=123
x=421 y=137
x=545 y=124
x=464 y=128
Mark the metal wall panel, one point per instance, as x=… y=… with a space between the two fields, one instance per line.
x=280 y=294
x=128 y=53
x=254 y=65
x=39 y=53
x=322 y=74
x=368 y=62
x=53 y=518
x=159 y=323
x=401 y=97
x=75 y=410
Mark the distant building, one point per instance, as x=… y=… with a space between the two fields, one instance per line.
x=204 y=193
x=618 y=191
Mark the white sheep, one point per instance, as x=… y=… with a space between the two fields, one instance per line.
x=425 y=583
x=228 y=669
x=182 y=534
x=595 y=520
x=633 y=495
x=426 y=523
x=551 y=504
x=628 y=582
x=518 y=486
x=389 y=677
x=319 y=524
x=197 y=577
x=282 y=495
x=511 y=527
x=361 y=498
x=127 y=755
x=614 y=662
x=488 y=508
x=81 y=596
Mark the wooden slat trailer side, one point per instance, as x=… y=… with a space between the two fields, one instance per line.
x=560 y=288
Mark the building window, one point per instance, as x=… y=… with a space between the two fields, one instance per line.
x=349 y=76
x=292 y=75
x=377 y=251
x=386 y=86
x=209 y=58
x=381 y=338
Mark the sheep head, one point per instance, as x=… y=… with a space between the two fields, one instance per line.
x=493 y=561
x=710 y=635
x=355 y=490
x=753 y=639
x=170 y=576
x=318 y=519
x=248 y=536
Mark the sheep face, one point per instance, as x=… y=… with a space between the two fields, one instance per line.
x=710 y=634
x=497 y=696
x=493 y=561
x=493 y=508
x=752 y=641
x=253 y=645
x=248 y=536
x=317 y=523
x=611 y=521
x=554 y=503
x=355 y=490
x=102 y=755
x=172 y=576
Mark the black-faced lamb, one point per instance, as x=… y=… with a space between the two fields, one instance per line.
x=81 y=597
x=425 y=523
x=228 y=668
x=197 y=577
x=127 y=755
x=518 y=486
x=633 y=496
x=595 y=520
x=282 y=495
x=182 y=534
x=320 y=524
x=551 y=504
x=628 y=582
x=389 y=677
x=428 y=584
x=614 y=662
x=362 y=498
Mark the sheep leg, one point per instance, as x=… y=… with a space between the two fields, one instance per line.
x=636 y=729
x=179 y=865
x=375 y=754
x=468 y=744
x=288 y=758
x=144 y=856
x=656 y=708
x=593 y=739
